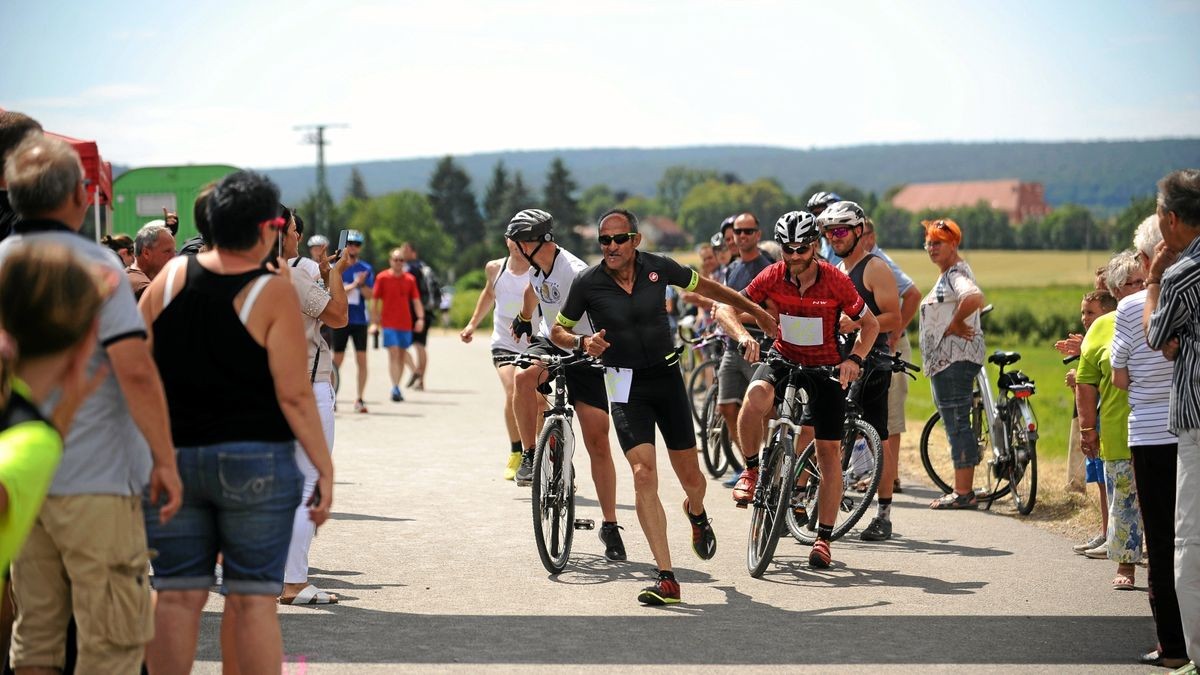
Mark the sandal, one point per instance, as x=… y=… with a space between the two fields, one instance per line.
x=1123 y=582
x=953 y=500
x=820 y=556
x=310 y=595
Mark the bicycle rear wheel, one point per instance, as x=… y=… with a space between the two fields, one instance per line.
x=853 y=505
x=714 y=436
x=1022 y=476
x=553 y=499
x=699 y=382
x=771 y=502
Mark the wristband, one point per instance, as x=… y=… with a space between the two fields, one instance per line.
x=1082 y=429
x=579 y=343
x=858 y=361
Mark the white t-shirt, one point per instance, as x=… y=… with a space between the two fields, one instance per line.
x=552 y=290
x=306 y=279
x=939 y=350
x=1149 y=375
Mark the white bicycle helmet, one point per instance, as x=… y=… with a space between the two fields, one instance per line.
x=841 y=214
x=317 y=240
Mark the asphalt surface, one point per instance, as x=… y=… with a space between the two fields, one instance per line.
x=433 y=556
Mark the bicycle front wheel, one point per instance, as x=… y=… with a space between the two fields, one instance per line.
x=714 y=436
x=771 y=502
x=865 y=466
x=553 y=498
x=699 y=382
x=1022 y=477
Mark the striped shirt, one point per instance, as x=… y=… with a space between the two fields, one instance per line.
x=1178 y=315
x=1149 y=376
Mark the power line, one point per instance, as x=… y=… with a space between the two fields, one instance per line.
x=316 y=136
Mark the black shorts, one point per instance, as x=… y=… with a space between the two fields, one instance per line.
x=656 y=396
x=503 y=357
x=875 y=401
x=826 y=409
x=421 y=337
x=357 y=332
x=585 y=383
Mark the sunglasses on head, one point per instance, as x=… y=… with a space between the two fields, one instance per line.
x=797 y=249
x=745 y=230
x=606 y=239
x=277 y=223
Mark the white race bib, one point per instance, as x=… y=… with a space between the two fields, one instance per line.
x=801 y=331
x=353 y=296
x=617 y=382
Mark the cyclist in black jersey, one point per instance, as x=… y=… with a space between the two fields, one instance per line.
x=625 y=298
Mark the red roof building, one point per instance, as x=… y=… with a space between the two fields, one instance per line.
x=1020 y=200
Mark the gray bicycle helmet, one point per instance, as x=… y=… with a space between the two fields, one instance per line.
x=841 y=214
x=531 y=225
x=796 y=227
x=317 y=240
x=820 y=199
x=717 y=240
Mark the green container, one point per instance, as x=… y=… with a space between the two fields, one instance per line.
x=139 y=195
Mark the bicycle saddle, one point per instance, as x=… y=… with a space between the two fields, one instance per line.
x=1004 y=358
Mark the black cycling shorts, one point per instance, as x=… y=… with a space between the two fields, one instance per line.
x=585 y=383
x=656 y=396
x=355 y=332
x=503 y=357
x=419 y=338
x=826 y=409
x=875 y=401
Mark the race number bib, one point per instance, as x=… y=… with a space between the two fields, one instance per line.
x=801 y=331
x=617 y=382
x=353 y=296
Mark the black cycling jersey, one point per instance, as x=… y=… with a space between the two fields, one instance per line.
x=635 y=324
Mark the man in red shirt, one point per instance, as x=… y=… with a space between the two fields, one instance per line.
x=811 y=295
x=395 y=298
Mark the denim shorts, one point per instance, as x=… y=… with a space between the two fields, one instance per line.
x=239 y=499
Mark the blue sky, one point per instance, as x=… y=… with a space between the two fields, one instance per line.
x=170 y=82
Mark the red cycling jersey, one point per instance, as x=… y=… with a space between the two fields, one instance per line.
x=812 y=343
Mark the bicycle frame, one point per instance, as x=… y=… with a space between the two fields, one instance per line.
x=561 y=410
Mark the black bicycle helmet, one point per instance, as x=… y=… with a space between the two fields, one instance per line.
x=841 y=214
x=530 y=225
x=796 y=227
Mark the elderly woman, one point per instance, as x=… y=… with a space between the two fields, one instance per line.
x=952 y=349
x=228 y=340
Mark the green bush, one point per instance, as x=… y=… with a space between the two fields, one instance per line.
x=474 y=280
x=461 y=307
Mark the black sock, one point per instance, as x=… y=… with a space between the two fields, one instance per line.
x=824 y=531
x=698 y=520
x=516 y=446
x=752 y=462
x=666 y=574
x=529 y=452
x=608 y=523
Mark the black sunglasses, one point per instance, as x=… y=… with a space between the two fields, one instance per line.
x=745 y=230
x=606 y=239
x=796 y=250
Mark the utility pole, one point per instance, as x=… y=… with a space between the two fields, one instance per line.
x=324 y=201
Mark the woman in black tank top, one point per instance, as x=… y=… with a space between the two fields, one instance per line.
x=227 y=336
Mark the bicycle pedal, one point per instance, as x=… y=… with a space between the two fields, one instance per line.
x=585 y=524
x=741 y=505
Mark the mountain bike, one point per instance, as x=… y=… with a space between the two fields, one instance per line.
x=859 y=439
x=1008 y=425
x=553 y=490
x=704 y=351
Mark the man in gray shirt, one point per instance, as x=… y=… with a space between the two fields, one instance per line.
x=86 y=555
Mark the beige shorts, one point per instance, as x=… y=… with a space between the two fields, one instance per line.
x=898 y=393
x=99 y=541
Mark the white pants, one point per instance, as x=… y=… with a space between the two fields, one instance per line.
x=303 y=529
x=1187 y=538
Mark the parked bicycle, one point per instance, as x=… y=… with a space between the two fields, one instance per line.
x=859 y=440
x=553 y=490
x=704 y=352
x=1008 y=425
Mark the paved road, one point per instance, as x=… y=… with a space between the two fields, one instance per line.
x=433 y=555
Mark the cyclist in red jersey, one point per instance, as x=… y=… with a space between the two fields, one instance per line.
x=810 y=295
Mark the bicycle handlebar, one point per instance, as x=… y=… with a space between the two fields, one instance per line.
x=551 y=361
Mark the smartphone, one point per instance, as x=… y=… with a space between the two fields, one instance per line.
x=342 y=239
x=279 y=244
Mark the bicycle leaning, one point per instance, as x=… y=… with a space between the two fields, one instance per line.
x=553 y=490
x=1008 y=425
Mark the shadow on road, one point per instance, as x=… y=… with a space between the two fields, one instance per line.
x=363 y=516
x=797 y=572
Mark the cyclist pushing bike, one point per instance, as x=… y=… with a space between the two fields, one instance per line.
x=624 y=296
x=811 y=294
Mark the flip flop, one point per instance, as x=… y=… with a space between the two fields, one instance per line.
x=1123 y=582
x=310 y=595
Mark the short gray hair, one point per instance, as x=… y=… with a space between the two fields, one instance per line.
x=42 y=173
x=148 y=236
x=1120 y=268
x=1147 y=236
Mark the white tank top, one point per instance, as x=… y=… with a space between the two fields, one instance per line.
x=510 y=295
x=553 y=288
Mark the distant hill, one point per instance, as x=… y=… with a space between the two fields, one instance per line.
x=1102 y=175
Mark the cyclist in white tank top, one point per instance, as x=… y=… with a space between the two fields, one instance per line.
x=507 y=280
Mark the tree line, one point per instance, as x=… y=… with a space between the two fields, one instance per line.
x=454 y=230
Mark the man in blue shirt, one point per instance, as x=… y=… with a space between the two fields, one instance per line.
x=358 y=279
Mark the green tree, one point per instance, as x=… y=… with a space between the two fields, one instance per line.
x=493 y=199
x=320 y=215
x=894 y=227
x=596 y=200
x=844 y=190
x=676 y=182
x=1072 y=227
x=1127 y=221
x=559 y=200
x=392 y=219
x=356 y=188
x=705 y=206
x=643 y=207
x=454 y=203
